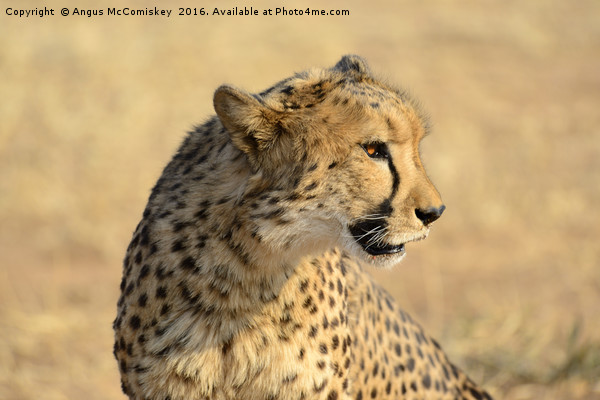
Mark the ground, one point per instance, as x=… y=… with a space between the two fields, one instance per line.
x=508 y=281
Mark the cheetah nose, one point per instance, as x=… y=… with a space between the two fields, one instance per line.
x=428 y=215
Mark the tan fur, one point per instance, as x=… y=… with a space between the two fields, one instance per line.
x=244 y=280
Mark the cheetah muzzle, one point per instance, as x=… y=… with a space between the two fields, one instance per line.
x=369 y=233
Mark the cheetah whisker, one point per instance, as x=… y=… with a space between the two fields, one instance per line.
x=369 y=217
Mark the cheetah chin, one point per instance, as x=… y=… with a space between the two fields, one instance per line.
x=375 y=251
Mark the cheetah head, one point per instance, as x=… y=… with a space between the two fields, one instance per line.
x=335 y=155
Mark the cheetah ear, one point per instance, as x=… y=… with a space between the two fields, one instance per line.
x=249 y=122
x=353 y=63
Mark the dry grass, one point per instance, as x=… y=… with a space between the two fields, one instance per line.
x=510 y=278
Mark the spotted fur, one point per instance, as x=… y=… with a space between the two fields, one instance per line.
x=244 y=278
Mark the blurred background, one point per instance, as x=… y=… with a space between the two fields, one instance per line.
x=509 y=279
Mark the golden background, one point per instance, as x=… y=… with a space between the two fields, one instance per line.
x=91 y=110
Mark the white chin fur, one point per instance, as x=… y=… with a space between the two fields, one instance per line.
x=383 y=261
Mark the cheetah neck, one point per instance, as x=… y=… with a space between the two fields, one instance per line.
x=235 y=250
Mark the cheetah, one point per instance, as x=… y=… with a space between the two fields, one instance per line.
x=245 y=278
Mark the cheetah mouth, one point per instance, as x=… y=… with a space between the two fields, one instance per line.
x=383 y=250
x=369 y=236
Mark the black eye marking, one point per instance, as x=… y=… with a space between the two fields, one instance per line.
x=376 y=150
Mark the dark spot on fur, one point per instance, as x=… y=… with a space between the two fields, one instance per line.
x=319 y=388
x=287 y=90
x=426 y=381
x=398 y=349
x=129 y=289
x=142 y=300
x=289 y=379
x=180 y=225
x=295 y=183
x=161 y=292
x=226 y=347
x=413 y=386
x=410 y=364
x=178 y=246
x=164 y=214
x=303 y=286
x=323 y=348
x=135 y=322
x=145 y=237
x=189 y=264
x=144 y=272
x=161 y=274
x=293 y=197
x=311 y=186
x=335 y=342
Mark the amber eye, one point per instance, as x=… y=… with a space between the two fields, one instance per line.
x=376 y=150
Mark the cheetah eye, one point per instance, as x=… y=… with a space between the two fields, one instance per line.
x=375 y=150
